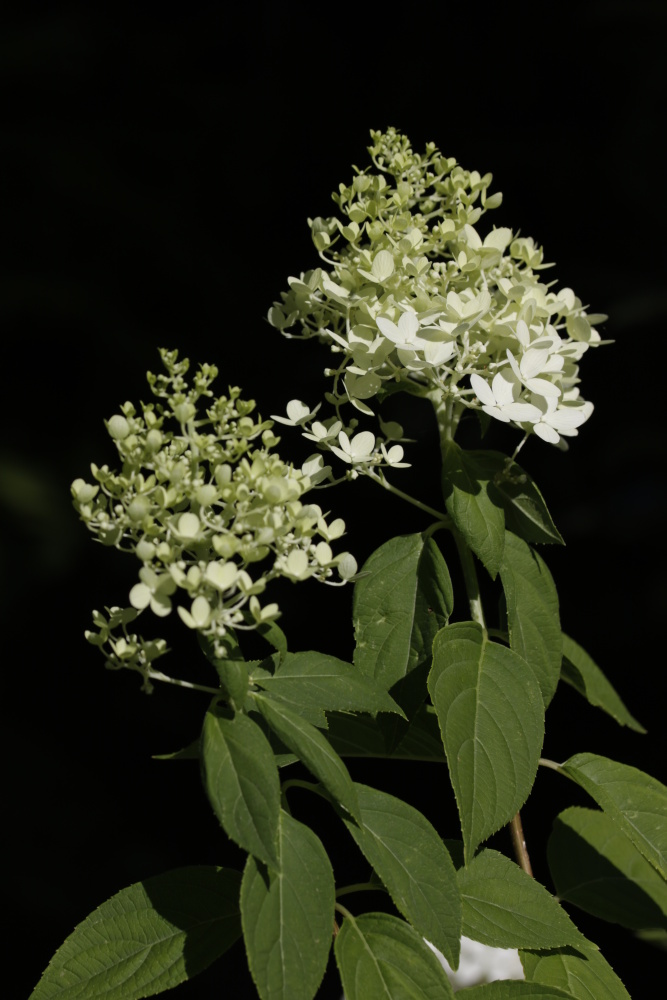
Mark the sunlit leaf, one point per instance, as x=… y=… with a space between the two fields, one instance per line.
x=532 y=612
x=382 y=958
x=505 y=908
x=288 y=915
x=584 y=973
x=414 y=865
x=147 y=938
x=241 y=780
x=491 y=717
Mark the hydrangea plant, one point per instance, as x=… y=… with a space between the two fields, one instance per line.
x=414 y=296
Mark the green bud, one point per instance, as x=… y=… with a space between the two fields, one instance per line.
x=118 y=427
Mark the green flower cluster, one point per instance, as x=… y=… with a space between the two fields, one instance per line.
x=211 y=512
x=412 y=296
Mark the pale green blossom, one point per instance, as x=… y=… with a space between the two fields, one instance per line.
x=210 y=510
x=411 y=294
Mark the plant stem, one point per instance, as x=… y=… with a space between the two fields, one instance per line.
x=359 y=887
x=156 y=675
x=545 y=762
x=298 y=783
x=379 y=477
x=519 y=844
x=470 y=579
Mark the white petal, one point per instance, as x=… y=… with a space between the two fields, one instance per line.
x=482 y=390
x=493 y=411
x=389 y=329
x=532 y=362
x=140 y=596
x=221 y=574
x=408 y=325
x=541 y=387
x=503 y=387
x=522 y=333
x=522 y=412
x=514 y=366
x=296 y=410
x=546 y=433
x=362 y=445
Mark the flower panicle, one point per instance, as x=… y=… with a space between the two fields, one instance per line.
x=414 y=296
x=210 y=510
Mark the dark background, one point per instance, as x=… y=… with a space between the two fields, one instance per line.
x=158 y=166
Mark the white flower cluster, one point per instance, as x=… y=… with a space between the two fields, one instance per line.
x=413 y=294
x=362 y=452
x=210 y=511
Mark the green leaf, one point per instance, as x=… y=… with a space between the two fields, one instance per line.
x=147 y=938
x=634 y=800
x=526 y=513
x=510 y=988
x=380 y=957
x=241 y=780
x=314 y=750
x=414 y=865
x=596 y=867
x=473 y=504
x=584 y=973
x=398 y=608
x=275 y=636
x=314 y=681
x=491 y=717
x=288 y=915
x=579 y=670
x=532 y=612
x=234 y=677
x=506 y=908
x=361 y=736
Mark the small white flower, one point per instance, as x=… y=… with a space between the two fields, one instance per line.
x=498 y=399
x=394 y=456
x=562 y=420
x=357 y=451
x=297 y=413
x=532 y=362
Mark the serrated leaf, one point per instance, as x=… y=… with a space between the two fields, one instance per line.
x=596 y=867
x=634 y=800
x=312 y=681
x=382 y=958
x=472 y=504
x=510 y=989
x=583 y=674
x=532 y=612
x=241 y=780
x=526 y=513
x=398 y=608
x=505 y=908
x=491 y=717
x=288 y=915
x=314 y=750
x=147 y=938
x=584 y=973
x=414 y=865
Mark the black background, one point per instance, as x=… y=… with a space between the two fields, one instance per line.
x=158 y=166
